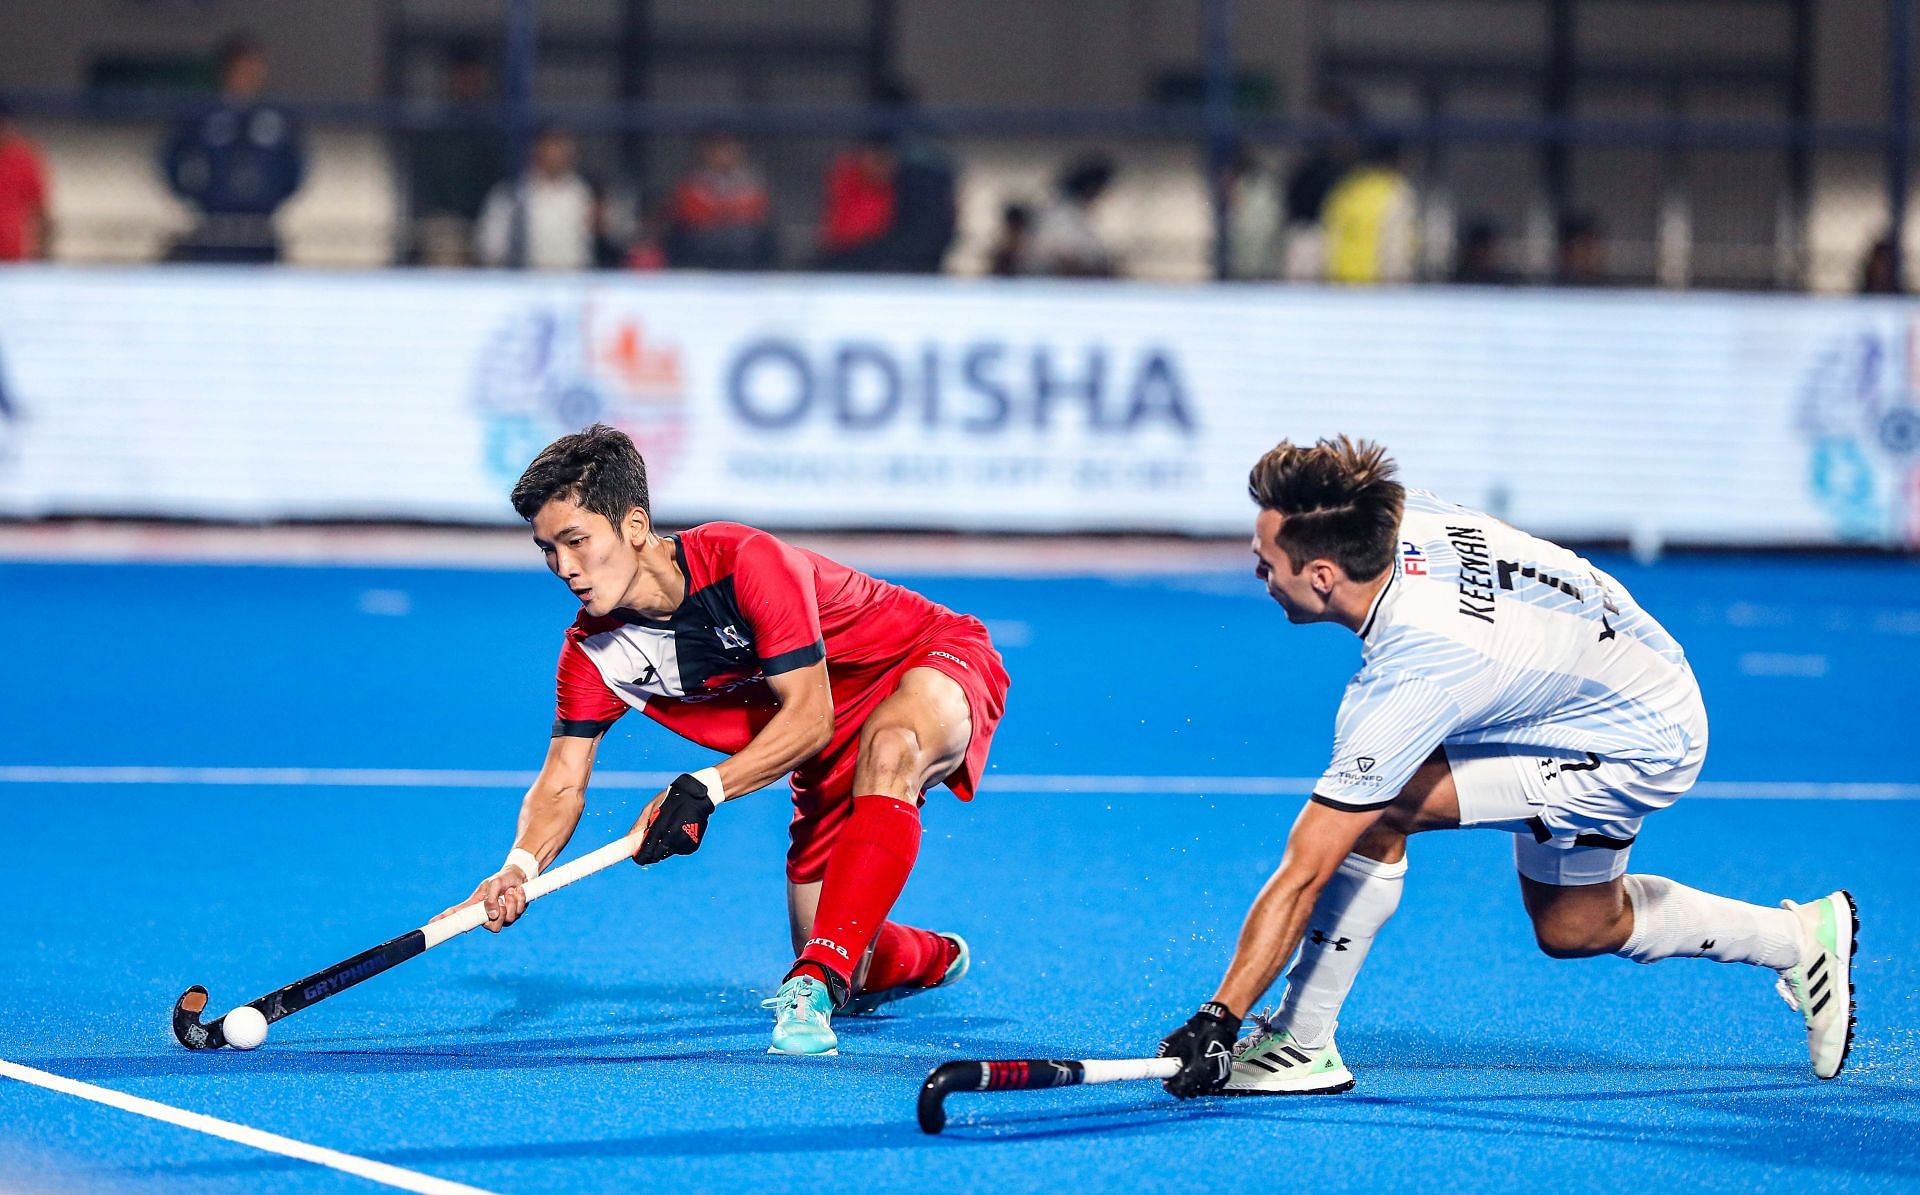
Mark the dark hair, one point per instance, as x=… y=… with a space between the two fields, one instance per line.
x=235 y=47
x=1340 y=501
x=1384 y=149
x=598 y=469
x=1083 y=180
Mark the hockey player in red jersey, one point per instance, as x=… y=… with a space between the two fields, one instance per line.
x=868 y=693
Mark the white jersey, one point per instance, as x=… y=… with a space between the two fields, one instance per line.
x=1485 y=634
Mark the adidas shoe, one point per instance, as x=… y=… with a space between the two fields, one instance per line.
x=1269 y=1062
x=867 y=1002
x=1821 y=988
x=802 y=1018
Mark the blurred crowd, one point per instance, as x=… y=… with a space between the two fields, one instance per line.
x=1344 y=210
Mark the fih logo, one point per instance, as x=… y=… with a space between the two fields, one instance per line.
x=1860 y=414
x=549 y=370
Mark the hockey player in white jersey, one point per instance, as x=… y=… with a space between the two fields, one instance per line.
x=1508 y=684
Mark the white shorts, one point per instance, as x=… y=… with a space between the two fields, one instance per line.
x=1573 y=817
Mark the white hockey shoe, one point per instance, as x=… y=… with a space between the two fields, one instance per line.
x=1821 y=988
x=1268 y=1061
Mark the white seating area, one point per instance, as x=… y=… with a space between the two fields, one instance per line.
x=111 y=206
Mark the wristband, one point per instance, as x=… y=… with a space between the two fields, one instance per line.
x=709 y=779
x=524 y=859
x=1218 y=1012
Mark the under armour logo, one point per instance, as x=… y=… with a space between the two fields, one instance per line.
x=1222 y=1060
x=1321 y=939
x=729 y=637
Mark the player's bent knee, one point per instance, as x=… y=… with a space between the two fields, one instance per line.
x=1384 y=841
x=892 y=750
x=1562 y=940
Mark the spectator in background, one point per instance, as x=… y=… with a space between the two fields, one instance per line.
x=647 y=251
x=1369 y=221
x=1312 y=180
x=858 y=210
x=237 y=162
x=1064 y=242
x=890 y=200
x=721 y=216
x=1016 y=225
x=1878 y=272
x=24 y=226
x=925 y=212
x=547 y=218
x=456 y=165
x=1580 y=255
x=611 y=220
x=1482 y=258
x=1253 y=218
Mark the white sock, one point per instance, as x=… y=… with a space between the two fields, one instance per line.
x=1353 y=906
x=1674 y=921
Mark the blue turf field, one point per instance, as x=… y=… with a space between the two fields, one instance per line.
x=613 y=1040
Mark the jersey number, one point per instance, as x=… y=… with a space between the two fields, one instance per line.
x=1511 y=568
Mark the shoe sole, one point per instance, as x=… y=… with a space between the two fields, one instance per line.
x=1853 y=948
x=833 y=1053
x=1334 y=1090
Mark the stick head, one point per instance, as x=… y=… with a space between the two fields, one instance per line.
x=186 y=1021
x=946 y=1078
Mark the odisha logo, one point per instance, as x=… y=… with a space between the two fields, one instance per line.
x=1859 y=413
x=548 y=371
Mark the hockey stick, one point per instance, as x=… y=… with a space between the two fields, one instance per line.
x=1029 y=1075
x=196 y=1035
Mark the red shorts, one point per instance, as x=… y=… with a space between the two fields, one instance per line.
x=823 y=786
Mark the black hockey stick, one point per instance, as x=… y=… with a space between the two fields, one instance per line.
x=1029 y=1074
x=195 y=1034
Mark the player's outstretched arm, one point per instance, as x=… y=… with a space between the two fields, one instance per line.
x=1321 y=838
x=548 y=814
x=676 y=820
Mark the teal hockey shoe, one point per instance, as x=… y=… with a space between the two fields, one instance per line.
x=802 y=1018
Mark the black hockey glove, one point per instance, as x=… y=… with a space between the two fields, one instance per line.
x=1204 y=1045
x=679 y=824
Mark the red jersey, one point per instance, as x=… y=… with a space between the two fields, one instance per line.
x=859 y=208
x=23 y=197
x=755 y=607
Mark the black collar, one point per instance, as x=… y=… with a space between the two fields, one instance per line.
x=680 y=561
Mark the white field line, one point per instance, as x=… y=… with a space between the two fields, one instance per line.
x=1069 y=783
x=372 y=1171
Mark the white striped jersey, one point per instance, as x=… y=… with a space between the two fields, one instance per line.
x=1485 y=634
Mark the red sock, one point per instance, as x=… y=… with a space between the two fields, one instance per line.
x=905 y=957
x=865 y=874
